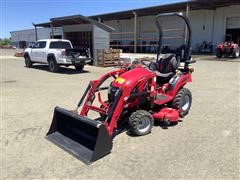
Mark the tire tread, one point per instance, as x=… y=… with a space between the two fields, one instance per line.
x=178 y=98
x=133 y=122
x=56 y=66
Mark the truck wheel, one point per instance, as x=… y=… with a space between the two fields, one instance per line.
x=140 y=123
x=79 y=67
x=235 y=53
x=183 y=101
x=52 y=65
x=28 y=62
x=219 y=53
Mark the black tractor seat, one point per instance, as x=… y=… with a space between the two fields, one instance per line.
x=164 y=75
x=166 y=66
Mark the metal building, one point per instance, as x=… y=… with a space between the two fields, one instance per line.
x=135 y=30
x=25 y=38
x=82 y=31
x=210 y=20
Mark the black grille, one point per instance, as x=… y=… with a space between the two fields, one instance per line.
x=111 y=93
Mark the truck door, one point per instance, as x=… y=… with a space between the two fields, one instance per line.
x=42 y=55
x=38 y=52
x=34 y=49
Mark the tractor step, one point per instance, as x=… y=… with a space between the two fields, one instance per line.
x=162 y=99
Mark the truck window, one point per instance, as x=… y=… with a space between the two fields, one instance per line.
x=60 y=45
x=39 y=44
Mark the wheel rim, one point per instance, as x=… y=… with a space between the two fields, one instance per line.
x=237 y=53
x=186 y=103
x=143 y=124
x=27 y=61
x=51 y=65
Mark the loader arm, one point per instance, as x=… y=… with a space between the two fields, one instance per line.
x=94 y=85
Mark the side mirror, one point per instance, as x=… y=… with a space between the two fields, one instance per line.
x=30 y=46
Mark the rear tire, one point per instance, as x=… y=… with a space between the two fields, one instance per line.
x=52 y=65
x=140 y=123
x=183 y=101
x=235 y=53
x=219 y=53
x=28 y=62
x=79 y=67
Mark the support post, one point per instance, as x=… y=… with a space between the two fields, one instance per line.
x=52 y=36
x=213 y=30
x=187 y=14
x=120 y=30
x=135 y=32
x=36 y=35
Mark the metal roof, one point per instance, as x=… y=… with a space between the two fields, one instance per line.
x=154 y=10
x=45 y=24
x=71 y=20
x=174 y=7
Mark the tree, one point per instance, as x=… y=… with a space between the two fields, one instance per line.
x=5 y=41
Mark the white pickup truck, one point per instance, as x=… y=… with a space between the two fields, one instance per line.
x=56 y=52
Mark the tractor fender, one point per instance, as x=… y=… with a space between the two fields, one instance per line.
x=177 y=83
x=234 y=46
x=220 y=46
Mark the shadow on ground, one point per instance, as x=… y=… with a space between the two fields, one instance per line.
x=62 y=70
x=214 y=58
x=123 y=127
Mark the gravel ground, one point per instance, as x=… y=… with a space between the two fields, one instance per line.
x=204 y=145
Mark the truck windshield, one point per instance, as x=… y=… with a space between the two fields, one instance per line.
x=60 y=45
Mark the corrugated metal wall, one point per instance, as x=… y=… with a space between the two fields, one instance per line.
x=101 y=39
x=207 y=25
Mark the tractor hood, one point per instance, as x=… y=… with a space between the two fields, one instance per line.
x=131 y=78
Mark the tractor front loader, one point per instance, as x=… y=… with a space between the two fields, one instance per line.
x=138 y=93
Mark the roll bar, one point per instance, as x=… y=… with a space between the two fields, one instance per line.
x=187 y=22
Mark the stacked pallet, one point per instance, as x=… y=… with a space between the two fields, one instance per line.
x=109 y=57
x=147 y=58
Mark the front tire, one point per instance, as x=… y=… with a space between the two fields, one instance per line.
x=219 y=53
x=235 y=53
x=53 y=66
x=140 y=123
x=28 y=62
x=79 y=67
x=183 y=101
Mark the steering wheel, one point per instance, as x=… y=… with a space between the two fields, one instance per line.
x=145 y=62
x=149 y=64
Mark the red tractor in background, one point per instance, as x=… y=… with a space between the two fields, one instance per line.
x=228 y=48
x=136 y=95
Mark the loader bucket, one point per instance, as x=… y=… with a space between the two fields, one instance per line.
x=86 y=139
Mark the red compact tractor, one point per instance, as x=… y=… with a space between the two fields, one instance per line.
x=138 y=95
x=228 y=48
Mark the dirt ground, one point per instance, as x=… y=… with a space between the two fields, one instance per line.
x=205 y=145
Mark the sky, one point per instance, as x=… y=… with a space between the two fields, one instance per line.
x=20 y=14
